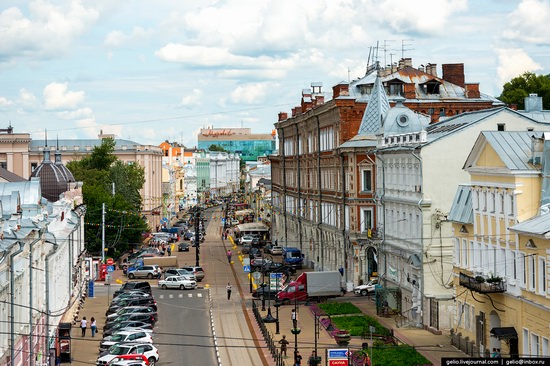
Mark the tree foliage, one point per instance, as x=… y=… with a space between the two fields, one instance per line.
x=515 y=91
x=102 y=173
x=215 y=147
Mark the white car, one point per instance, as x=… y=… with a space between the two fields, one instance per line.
x=247 y=239
x=148 y=331
x=126 y=337
x=276 y=250
x=150 y=351
x=366 y=289
x=127 y=363
x=177 y=282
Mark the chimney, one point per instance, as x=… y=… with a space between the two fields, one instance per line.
x=471 y=90
x=409 y=90
x=320 y=99
x=533 y=103
x=294 y=112
x=513 y=106
x=283 y=116
x=454 y=73
x=431 y=69
x=401 y=64
x=407 y=61
x=341 y=89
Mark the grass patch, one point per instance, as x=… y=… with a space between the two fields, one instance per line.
x=356 y=325
x=339 y=308
x=398 y=356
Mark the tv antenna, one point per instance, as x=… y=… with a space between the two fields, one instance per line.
x=404 y=45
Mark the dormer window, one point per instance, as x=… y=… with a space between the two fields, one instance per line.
x=431 y=87
x=365 y=89
x=395 y=88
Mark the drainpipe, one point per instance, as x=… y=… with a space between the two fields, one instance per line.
x=320 y=263
x=383 y=241
x=421 y=285
x=12 y=303
x=47 y=271
x=298 y=158
x=31 y=245
x=284 y=185
x=346 y=242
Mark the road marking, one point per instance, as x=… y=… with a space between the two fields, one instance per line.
x=189 y=295
x=180 y=296
x=199 y=294
x=170 y=296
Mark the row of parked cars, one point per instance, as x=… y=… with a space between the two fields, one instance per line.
x=128 y=331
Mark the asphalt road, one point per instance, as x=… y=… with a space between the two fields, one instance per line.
x=184 y=335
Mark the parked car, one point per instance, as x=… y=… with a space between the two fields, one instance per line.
x=246 y=239
x=134 y=285
x=246 y=248
x=133 y=309
x=126 y=337
x=150 y=351
x=257 y=263
x=128 y=363
x=129 y=329
x=131 y=295
x=183 y=247
x=146 y=318
x=126 y=326
x=197 y=271
x=182 y=272
x=367 y=288
x=265 y=293
x=151 y=250
x=278 y=267
x=177 y=282
x=276 y=250
x=152 y=271
x=255 y=252
x=188 y=235
x=113 y=308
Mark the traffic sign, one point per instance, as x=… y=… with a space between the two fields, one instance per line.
x=110 y=269
x=246 y=269
x=338 y=353
x=339 y=362
x=110 y=261
x=256 y=275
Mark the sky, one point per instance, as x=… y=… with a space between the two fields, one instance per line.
x=151 y=71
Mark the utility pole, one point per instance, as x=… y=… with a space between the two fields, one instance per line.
x=197 y=235
x=103 y=233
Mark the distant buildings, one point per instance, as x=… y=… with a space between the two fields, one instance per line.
x=238 y=140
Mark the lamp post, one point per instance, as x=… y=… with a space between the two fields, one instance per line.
x=295 y=330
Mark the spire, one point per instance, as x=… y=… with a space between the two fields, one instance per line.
x=46 y=150
x=377 y=108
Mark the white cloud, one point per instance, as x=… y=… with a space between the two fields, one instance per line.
x=79 y=114
x=27 y=99
x=47 y=31
x=249 y=94
x=4 y=102
x=57 y=97
x=193 y=99
x=529 y=22
x=512 y=63
x=117 y=38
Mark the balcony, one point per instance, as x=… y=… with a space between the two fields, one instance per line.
x=483 y=285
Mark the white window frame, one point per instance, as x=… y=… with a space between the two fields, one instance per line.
x=365 y=180
x=367 y=211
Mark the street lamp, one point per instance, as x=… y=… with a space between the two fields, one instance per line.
x=295 y=330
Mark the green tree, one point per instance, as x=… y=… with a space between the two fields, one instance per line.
x=515 y=91
x=215 y=147
x=102 y=172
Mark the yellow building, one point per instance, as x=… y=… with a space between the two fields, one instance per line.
x=501 y=247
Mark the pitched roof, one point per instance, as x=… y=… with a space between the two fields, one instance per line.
x=376 y=109
x=538 y=225
x=10 y=177
x=513 y=147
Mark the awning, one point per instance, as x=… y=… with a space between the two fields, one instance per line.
x=504 y=333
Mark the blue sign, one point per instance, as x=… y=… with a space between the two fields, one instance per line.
x=110 y=268
x=164 y=220
x=246 y=269
x=91 y=289
x=338 y=353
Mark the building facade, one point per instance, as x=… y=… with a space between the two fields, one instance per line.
x=238 y=140
x=501 y=225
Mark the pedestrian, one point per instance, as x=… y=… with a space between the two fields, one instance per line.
x=494 y=354
x=294 y=317
x=498 y=353
x=169 y=249
x=229 y=254
x=284 y=343
x=228 y=288
x=312 y=361
x=83 y=324
x=93 y=326
x=297 y=358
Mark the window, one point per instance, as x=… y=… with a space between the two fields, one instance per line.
x=467 y=316
x=542 y=276
x=464 y=259
x=545 y=351
x=512 y=204
x=535 y=345
x=493 y=202
x=501 y=203
x=457 y=252
x=4 y=164
x=501 y=127
x=34 y=166
x=532 y=272
x=366 y=220
x=395 y=89
x=367 y=181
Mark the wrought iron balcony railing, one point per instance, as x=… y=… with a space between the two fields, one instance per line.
x=483 y=285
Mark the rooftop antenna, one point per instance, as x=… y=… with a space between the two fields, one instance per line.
x=404 y=48
x=368 y=60
x=385 y=48
x=349 y=71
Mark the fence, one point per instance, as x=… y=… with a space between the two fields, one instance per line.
x=271 y=344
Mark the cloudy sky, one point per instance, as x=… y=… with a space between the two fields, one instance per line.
x=160 y=70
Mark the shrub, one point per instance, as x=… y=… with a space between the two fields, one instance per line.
x=339 y=308
x=356 y=325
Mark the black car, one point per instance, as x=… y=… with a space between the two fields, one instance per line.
x=183 y=247
x=134 y=310
x=125 y=325
x=275 y=267
x=135 y=317
x=134 y=285
x=265 y=292
x=149 y=302
x=132 y=294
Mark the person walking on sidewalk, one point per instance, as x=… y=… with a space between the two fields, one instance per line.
x=169 y=249
x=229 y=254
x=228 y=288
x=297 y=358
x=83 y=324
x=284 y=343
x=93 y=326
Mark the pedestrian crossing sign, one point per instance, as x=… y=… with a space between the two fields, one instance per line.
x=246 y=269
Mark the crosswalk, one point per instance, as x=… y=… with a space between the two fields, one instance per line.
x=180 y=296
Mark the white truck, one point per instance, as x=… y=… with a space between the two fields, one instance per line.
x=317 y=286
